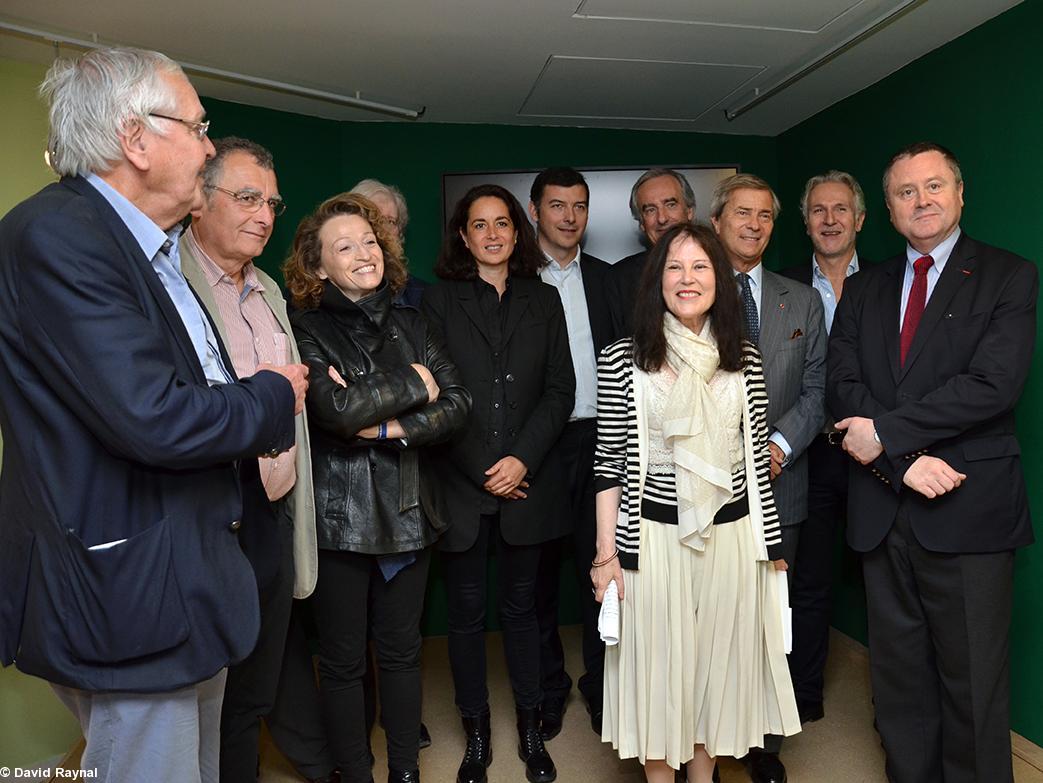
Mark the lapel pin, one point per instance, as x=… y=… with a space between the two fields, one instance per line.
x=966 y=272
x=782 y=305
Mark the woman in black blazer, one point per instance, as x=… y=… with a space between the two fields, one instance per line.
x=505 y=331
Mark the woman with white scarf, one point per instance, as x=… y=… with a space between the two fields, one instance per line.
x=687 y=527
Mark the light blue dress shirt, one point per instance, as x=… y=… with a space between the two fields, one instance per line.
x=569 y=282
x=940 y=254
x=821 y=283
x=161 y=248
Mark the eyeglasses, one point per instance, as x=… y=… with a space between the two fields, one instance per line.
x=251 y=201
x=198 y=129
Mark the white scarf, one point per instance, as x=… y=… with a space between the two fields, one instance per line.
x=692 y=427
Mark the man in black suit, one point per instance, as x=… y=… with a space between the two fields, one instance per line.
x=559 y=202
x=130 y=483
x=928 y=356
x=659 y=200
x=834 y=208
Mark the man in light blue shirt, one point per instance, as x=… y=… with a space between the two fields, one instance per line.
x=559 y=203
x=833 y=207
x=123 y=580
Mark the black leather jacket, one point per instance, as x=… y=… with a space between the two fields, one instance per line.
x=375 y=497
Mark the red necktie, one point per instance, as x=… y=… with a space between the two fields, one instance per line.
x=917 y=301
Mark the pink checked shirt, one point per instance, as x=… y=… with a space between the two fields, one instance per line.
x=254 y=338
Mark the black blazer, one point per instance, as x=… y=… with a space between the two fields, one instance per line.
x=622 y=284
x=111 y=432
x=954 y=398
x=540 y=386
x=595 y=274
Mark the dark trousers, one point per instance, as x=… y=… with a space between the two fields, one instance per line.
x=576 y=447
x=252 y=684
x=938 y=658
x=295 y=721
x=465 y=577
x=812 y=584
x=351 y=594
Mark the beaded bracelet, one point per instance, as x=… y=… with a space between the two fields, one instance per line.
x=606 y=561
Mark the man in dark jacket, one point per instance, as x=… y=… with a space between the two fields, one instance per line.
x=559 y=202
x=834 y=208
x=659 y=200
x=130 y=469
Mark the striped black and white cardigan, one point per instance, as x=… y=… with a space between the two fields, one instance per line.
x=621 y=456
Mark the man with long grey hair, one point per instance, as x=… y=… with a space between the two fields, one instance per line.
x=130 y=470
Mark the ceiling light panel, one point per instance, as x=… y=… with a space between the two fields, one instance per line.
x=632 y=89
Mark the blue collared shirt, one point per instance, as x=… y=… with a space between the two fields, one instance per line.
x=821 y=283
x=161 y=248
x=569 y=282
x=940 y=254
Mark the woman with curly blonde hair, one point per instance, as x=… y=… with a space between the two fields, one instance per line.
x=382 y=389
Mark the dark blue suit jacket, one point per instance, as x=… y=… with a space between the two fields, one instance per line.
x=953 y=398
x=111 y=432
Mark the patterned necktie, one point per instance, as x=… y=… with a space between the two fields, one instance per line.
x=749 y=306
x=917 y=301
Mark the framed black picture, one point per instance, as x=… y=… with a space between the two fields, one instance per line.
x=612 y=233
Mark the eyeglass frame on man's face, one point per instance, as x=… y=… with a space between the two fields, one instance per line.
x=251 y=201
x=198 y=129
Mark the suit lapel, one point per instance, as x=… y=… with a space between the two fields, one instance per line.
x=132 y=250
x=958 y=268
x=774 y=293
x=890 y=312
x=517 y=304
x=193 y=272
x=597 y=304
x=469 y=304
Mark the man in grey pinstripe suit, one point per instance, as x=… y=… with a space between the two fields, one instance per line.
x=784 y=318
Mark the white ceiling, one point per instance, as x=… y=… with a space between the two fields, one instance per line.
x=655 y=64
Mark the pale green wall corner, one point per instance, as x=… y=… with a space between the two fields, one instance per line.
x=34 y=726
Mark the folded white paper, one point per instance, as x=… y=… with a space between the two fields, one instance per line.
x=787 y=613
x=608 y=620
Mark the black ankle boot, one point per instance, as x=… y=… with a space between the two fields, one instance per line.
x=479 y=753
x=404 y=776
x=538 y=765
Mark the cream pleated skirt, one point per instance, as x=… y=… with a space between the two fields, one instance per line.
x=700 y=658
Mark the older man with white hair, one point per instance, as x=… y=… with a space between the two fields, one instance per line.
x=130 y=471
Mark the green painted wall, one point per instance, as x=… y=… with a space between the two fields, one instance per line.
x=316 y=158
x=979 y=96
x=34 y=726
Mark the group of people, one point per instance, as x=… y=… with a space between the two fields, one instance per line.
x=187 y=458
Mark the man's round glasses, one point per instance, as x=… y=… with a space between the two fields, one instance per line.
x=251 y=201
x=198 y=129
